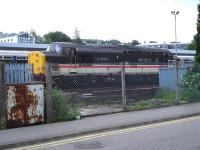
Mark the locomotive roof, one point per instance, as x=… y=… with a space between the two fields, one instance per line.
x=107 y=48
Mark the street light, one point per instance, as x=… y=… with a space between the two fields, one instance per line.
x=175 y=13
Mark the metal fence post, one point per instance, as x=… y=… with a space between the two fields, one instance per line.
x=123 y=85
x=49 y=105
x=177 y=81
x=2 y=96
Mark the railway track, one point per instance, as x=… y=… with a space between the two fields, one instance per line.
x=110 y=95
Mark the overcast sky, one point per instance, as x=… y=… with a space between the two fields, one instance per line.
x=125 y=20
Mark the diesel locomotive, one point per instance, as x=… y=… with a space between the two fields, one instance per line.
x=70 y=58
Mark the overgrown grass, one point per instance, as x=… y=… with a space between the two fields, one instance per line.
x=63 y=109
x=165 y=95
x=162 y=98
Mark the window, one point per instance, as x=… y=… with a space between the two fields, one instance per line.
x=101 y=59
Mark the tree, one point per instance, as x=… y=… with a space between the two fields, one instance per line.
x=197 y=37
x=38 y=38
x=134 y=42
x=57 y=36
x=77 y=38
x=114 y=42
x=192 y=45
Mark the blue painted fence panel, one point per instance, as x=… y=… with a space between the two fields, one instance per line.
x=167 y=78
x=18 y=73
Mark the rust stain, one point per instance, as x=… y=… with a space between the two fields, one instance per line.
x=24 y=110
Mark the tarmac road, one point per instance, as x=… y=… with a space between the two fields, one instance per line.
x=181 y=134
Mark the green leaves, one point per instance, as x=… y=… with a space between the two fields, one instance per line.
x=197 y=37
x=63 y=110
x=191 y=85
x=56 y=37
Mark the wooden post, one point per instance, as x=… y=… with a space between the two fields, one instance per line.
x=2 y=96
x=49 y=108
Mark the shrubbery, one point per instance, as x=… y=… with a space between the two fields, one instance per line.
x=1 y=124
x=63 y=109
x=191 y=85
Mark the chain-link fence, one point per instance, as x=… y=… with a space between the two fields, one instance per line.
x=100 y=89
x=73 y=90
x=107 y=88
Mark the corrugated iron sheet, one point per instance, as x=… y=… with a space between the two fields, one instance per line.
x=25 y=105
x=167 y=78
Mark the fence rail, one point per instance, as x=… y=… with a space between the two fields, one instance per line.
x=18 y=73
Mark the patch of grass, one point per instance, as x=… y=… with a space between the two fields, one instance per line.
x=165 y=95
x=140 y=105
x=162 y=98
x=149 y=104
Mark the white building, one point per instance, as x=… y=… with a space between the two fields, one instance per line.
x=17 y=38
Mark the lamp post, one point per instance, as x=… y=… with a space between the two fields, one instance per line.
x=175 y=13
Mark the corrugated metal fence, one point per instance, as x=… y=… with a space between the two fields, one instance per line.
x=167 y=79
x=18 y=73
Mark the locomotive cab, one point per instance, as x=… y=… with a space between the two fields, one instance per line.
x=59 y=52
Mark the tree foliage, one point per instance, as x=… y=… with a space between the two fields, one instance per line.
x=134 y=42
x=191 y=85
x=113 y=42
x=38 y=38
x=56 y=37
x=197 y=37
x=192 y=45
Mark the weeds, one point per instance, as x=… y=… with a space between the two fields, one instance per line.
x=63 y=109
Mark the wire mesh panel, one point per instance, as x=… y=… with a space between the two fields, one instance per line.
x=142 y=86
x=92 y=89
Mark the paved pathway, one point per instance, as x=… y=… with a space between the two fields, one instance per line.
x=44 y=132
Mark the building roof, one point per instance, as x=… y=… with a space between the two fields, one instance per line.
x=180 y=51
x=23 y=46
x=6 y=35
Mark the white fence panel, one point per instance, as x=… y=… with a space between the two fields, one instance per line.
x=18 y=73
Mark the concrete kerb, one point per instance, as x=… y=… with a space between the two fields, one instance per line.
x=31 y=142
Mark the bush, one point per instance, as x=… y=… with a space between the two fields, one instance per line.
x=63 y=109
x=191 y=85
x=1 y=124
